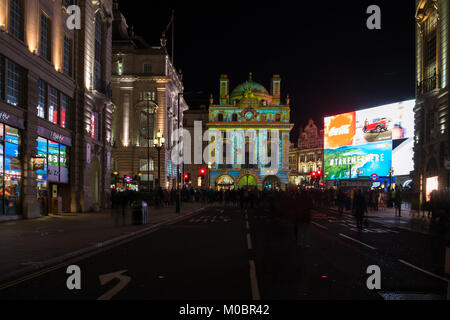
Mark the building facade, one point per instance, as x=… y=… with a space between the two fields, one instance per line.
x=148 y=103
x=308 y=155
x=50 y=93
x=432 y=114
x=248 y=128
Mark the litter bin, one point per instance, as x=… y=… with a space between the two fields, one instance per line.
x=140 y=212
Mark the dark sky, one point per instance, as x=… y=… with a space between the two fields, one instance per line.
x=328 y=59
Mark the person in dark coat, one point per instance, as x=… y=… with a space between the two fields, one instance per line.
x=360 y=208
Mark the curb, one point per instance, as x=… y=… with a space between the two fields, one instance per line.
x=53 y=261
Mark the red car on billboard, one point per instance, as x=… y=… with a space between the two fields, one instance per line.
x=377 y=125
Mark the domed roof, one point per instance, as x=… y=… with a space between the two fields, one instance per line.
x=247 y=86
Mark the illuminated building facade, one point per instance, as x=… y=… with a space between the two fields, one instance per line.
x=432 y=112
x=54 y=107
x=308 y=155
x=145 y=89
x=250 y=108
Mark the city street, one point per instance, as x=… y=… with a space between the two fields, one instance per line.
x=225 y=254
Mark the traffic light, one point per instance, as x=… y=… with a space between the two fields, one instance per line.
x=186 y=177
x=202 y=173
x=319 y=173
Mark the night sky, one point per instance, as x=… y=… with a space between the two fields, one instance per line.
x=328 y=59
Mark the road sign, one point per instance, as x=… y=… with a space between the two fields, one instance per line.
x=374 y=177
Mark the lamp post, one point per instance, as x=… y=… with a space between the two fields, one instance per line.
x=158 y=143
x=209 y=174
x=390 y=178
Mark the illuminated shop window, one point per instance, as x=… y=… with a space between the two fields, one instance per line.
x=53 y=105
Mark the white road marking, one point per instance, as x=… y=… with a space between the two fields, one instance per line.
x=320 y=226
x=106 y=278
x=254 y=281
x=357 y=241
x=424 y=271
x=249 y=242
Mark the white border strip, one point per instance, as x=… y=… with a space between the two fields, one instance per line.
x=424 y=271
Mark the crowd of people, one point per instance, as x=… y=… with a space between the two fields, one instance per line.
x=294 y=205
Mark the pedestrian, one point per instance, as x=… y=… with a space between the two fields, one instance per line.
x=360 y=207
x=398 y=202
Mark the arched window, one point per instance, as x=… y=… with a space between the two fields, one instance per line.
x=234 y=117
x=220 y=117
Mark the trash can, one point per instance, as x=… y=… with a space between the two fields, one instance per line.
x=140 y=212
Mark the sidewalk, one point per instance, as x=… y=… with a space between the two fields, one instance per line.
x=410 y=220
x=28 y=245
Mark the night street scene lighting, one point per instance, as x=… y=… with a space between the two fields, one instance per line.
x=228 y=161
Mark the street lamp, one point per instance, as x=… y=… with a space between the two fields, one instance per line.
x=209 y=174
x=158 y=143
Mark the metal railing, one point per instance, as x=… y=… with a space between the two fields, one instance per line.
x=428 y=85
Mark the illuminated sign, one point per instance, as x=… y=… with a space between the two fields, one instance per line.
x=128 y=179
x=370 y=141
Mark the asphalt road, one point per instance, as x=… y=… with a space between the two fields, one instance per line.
x=223 y=254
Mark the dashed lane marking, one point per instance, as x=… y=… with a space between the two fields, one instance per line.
x=320 y=226
x=357 y=241
x=254 y=282
x=249 y=242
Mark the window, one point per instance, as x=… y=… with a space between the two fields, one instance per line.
x=67 y=3
x=15 y=92
x=64 y=110
x=10 y=170
x=147 y=68
x=56 y=167
x=234 y=117
x=15 y=18
x=45 y=37
x=220 y=117
x=94 y=125
x=42 y=99
x=67 y=56
x=53 y=106
x=147 y=128
x=98 y=66
x=2 y=78
x=144 y=165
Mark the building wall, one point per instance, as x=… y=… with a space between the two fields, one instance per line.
x=26 y=53
x=432 y=141
x=308 y=154
x=129 y=84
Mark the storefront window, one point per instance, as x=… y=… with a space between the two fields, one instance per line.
x=10 y=170
x=56 y=165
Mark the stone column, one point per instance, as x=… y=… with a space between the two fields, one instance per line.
x=31 y=208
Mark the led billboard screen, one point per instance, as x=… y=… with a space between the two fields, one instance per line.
x=385 y=132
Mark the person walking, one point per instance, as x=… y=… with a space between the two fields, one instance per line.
x=398 y=202
x=360 y=207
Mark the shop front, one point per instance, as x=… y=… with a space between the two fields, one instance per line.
x=52 y=170
x=10 y=164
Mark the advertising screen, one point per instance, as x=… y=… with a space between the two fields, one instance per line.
x=386 y=130
x=352 y=161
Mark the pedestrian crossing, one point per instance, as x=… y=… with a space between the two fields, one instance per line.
x=206 y=219
x=350 y=223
